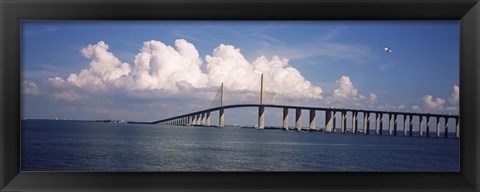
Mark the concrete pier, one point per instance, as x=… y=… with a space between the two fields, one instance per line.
x=381 y=123
x=208 y=119
x=390 y=124
x=410 y=124
x=366 y=123
x=420 y=126
x=334 y=121
x=405 y=123
x=261 y=109
x=457 y=127
x=395 y=124
x=446 y=128
x=427 y=131
x=285 y=118
x=221 y=118
x=202 y=119
x=194 y=120
x=261 y=117
x=378 y=124
x=343 y=121
x=328 y=121
x=298 y=119
x=354 y=122
x=312 y=119
x=437 y=127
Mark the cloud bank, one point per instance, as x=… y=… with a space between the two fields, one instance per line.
x=438 y=104
x=166 y=69
x=164 y=76
x=29 y=88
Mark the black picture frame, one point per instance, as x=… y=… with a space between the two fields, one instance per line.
x=14 y=11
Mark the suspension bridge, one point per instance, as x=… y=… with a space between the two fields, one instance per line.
x=421 y=120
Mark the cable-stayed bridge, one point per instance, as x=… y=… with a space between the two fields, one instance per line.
x=422 y=120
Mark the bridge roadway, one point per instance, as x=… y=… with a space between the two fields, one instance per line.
x=203 y=118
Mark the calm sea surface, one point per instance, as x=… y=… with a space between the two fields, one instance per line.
x=49 y=145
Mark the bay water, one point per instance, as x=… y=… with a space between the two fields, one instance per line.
x=59 y=145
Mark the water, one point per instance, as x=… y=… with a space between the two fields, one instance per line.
x=94 y=146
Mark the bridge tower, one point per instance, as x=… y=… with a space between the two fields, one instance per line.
x=261 y=108
x=221 y=117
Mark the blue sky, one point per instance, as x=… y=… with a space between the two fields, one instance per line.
x=326 y=63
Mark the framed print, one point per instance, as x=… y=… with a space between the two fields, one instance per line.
x=248 y=95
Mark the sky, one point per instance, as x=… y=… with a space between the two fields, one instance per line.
x=150 y=70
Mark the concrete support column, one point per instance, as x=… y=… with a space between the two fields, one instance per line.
x=208 y=119
x=410 y=125
x=261 y=117
x=298 y=119
x=312 y=119
x=334 y=121
x=198 y=120
x=381 y=123
x=390 y=124
x=420 y=127
x=437 y=127
x=395 y=124
x=328 y=121
x=344 y=121
x=427 y=133
x=202 y=119
x=457 y=127
x=354 y=122
x=366 y=122
x=221 y=118
x=446 y=127
x=377 y=123
x=405 y=123
x=285 y=118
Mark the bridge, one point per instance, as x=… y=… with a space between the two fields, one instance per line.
x=203 y=118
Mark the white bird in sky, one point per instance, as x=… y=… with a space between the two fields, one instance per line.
x=387 y=50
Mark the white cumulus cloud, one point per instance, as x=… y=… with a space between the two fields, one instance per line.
x=30 y=88
x=162 y=67
x=455 y=97
x=433 y=104
x=345 y=89
x=372 y=98
x=175 y=70
x=416 y=108
x=440 y=104
x=104 y=70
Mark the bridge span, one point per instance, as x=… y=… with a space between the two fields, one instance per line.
x=203 y=118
